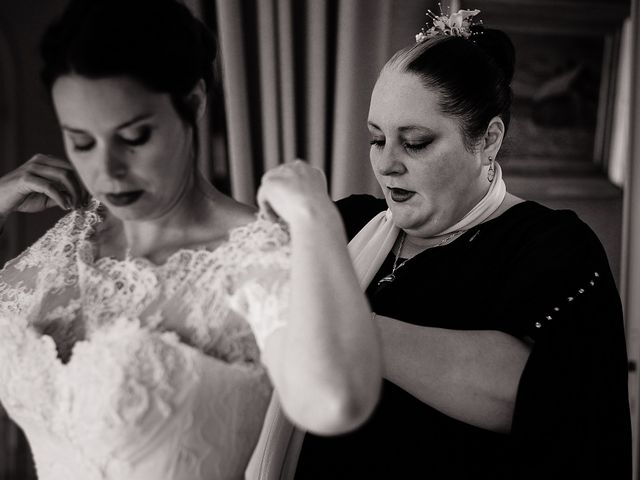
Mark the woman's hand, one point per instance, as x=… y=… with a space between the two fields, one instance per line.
x=40 y=183
x=295 y=192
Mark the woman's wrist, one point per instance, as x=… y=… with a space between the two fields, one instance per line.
x=315 y=217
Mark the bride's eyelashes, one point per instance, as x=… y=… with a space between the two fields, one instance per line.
x=132 y=139
x=81 y=142
x=140 y=137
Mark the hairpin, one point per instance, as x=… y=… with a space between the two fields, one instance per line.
x=455 y=24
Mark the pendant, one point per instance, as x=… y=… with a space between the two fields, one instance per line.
x=388 y=279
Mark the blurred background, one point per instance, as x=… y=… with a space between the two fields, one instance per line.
x=295 y=81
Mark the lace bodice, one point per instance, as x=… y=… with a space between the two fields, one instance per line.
x=125 y=369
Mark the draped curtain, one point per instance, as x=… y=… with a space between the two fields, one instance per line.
x=297 y=77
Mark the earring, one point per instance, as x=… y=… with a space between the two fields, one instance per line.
x=492 y=170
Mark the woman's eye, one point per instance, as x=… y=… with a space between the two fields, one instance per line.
x=140 y=139
x=83 y=146
x=376 y=143
x=79 y=142
x=415 y=146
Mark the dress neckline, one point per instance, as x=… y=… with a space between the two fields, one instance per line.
x=86 y=221
x=93 y=217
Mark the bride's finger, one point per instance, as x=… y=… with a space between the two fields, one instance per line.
x=83 y=195
x=40 y=185
x=263 y=203
x=66 y=178
x=261 y=199
x=52 y=161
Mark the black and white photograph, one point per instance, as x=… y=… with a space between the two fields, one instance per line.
x=319 y=239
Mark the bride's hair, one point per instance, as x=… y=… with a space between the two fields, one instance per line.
x=472 y=75
x=159 y=43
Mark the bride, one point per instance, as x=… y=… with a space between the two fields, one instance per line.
x=140 y=337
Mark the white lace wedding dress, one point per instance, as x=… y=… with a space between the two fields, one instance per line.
x=121 y=369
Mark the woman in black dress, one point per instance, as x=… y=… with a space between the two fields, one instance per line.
x=503 y=338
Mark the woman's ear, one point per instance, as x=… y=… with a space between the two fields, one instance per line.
x=197 y=100
x=492 y=140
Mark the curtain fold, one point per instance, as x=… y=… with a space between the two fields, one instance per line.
x=287 y=80
x=363 y=38
x=317 y=84
x=270 y=93
x=621 y=129
x=234 y=77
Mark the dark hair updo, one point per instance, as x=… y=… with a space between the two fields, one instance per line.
x=473 y=76
x=159 y=43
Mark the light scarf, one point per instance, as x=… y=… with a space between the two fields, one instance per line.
x=372 y=244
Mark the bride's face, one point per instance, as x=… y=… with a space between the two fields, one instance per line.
x=128 y=144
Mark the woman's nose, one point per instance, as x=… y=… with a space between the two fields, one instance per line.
x=389 y=163
x=115 y=166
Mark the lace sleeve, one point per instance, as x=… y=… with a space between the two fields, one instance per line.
x=19 y=277
x=17 y=286
x=260 y=287
x=44 y=264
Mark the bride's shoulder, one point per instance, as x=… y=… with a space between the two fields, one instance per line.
x=254 y=232
x=261 y=235
x=258 y=247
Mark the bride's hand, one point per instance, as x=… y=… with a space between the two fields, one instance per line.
x=41 y=182
x=295 y=192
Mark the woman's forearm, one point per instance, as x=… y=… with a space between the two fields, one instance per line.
x=329 y=353
x=471 y=376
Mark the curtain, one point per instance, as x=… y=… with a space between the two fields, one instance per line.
x=297 y=77
x=619 y=146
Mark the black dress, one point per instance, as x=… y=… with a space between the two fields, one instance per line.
x=540 y=275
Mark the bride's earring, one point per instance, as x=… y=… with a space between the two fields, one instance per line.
x=492 y=170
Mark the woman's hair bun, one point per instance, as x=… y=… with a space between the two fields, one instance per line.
x=209 y=55
x=498 y=46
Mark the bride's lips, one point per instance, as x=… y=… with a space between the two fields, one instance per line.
x=400 y=195
x=123 y=199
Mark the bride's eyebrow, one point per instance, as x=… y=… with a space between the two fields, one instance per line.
x=72 y=130
x=136 y=119
x=128 y=123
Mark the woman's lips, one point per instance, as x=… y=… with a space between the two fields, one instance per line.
x=400 y=195
x=124 y=198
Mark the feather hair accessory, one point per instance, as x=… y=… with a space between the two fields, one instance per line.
x=455 y=24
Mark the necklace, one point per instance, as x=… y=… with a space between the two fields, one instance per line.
x=392 y=276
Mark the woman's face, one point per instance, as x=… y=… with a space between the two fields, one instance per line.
x=127 y=143
x=429 y=179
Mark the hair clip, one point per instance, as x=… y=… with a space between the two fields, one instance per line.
x=455 y=24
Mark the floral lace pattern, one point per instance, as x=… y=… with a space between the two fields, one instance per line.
x=127 y=369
